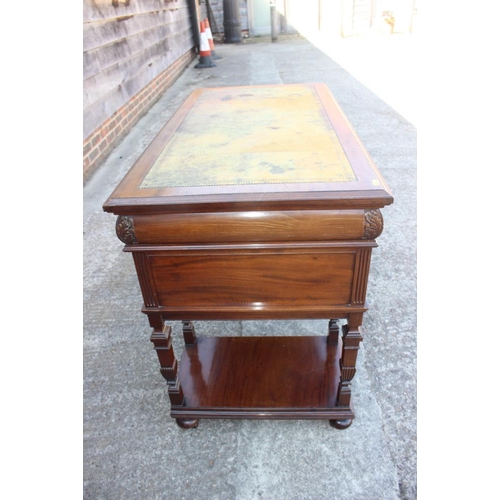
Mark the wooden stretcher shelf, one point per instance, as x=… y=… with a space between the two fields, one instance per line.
x=270 y=377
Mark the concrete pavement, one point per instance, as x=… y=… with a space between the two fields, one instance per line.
x=134 y=450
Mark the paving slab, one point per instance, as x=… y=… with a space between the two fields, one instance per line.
x=133 y=449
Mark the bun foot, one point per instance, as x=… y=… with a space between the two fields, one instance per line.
x=187 y=423
x=341 y=424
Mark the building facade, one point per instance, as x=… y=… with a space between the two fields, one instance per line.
x=132 y=51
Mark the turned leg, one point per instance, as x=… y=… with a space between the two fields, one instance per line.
x=162 y=341
x=351 y=338
x=188 y=332
x=333 y=338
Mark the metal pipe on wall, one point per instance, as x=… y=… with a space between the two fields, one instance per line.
x=194 y=23
x=232 y=23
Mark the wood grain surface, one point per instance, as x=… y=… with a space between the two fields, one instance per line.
x=260 y=372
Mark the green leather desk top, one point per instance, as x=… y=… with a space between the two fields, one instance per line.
x=262 y=135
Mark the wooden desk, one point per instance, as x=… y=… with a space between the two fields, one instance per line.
x=254 y=203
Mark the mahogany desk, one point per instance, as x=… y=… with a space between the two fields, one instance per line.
x=254 y=203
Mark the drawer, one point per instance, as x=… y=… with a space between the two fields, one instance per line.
x=234 y=227
x=253 y=281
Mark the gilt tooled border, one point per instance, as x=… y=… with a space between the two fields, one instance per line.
x=374 y=224
x=125 y=229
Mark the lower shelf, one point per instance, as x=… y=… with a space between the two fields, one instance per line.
x=260 y=377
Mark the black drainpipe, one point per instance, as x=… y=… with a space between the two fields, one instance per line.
x=232 y=24
x=194 y=23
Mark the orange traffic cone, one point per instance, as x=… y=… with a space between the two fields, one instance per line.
x=211 y=40
x=205 y=53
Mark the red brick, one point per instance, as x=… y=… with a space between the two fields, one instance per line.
x=104 y=131
x=93 y=155
x=103 y=146
x=111 y=137
x=140 y=105
x=96 y=139
x=105 y=123
x=126 y=129
x=131 y=116
x=86 y=148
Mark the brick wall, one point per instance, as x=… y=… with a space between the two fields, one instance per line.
x=132 y=51
x=98 y=145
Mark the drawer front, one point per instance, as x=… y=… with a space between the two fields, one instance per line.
x=245 y=227
x=253 y=279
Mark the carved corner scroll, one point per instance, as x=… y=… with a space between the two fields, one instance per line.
x=125 y=229
x=374 y=224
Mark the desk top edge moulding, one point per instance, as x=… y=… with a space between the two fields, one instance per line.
x=224 y=147
x=256 y=202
